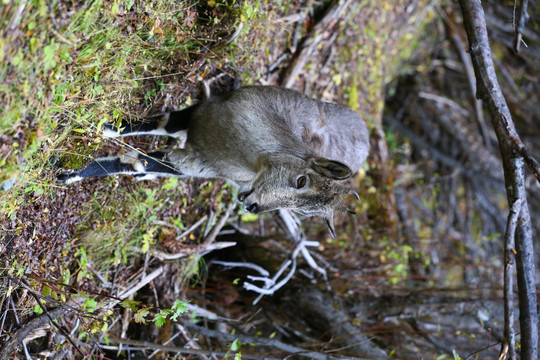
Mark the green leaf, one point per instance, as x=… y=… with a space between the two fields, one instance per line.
x=249 y=218
x=140 y=316
x=46 y=291
x=130 y=304
x=90 y=305
x=37 y=309
x=49 y=54
x=160 y=319
x=170 y=183
x=235 y=346
x=179 y=307
x=147 y=240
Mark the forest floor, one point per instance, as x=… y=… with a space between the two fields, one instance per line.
x=128 y=267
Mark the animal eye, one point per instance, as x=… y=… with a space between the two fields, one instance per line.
x=300 y=182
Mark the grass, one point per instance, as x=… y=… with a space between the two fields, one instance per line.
x=66 y=68
x=70 y=69
x=63 y=81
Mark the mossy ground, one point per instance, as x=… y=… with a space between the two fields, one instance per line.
x=66 y=68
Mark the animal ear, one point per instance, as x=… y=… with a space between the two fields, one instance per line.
x=330 y=168
x=330 y=223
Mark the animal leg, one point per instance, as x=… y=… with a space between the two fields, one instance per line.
x=143 y=167
x=174 y=124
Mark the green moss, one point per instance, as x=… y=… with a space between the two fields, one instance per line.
x=65 y=78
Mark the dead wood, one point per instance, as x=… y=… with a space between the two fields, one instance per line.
x=305 y=51
x=20 y=335
x=472 y=174
x=325 y=315
x=466 y=61
x=265 y=342
x=433 y=317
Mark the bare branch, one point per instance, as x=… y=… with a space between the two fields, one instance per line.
x=192 y=227
x=466 y=60
x=509 y=338
x=271 y=343
x=513 y=162
x=220 y=224
x=532 y=164
x=135 y=286
x=520 y=25
x=201 y=250
x=231 y=264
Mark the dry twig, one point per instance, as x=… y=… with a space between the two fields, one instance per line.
x=518 y=28
x=309 y=44
x=271 y=343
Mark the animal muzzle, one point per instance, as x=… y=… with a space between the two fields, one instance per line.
x=250 y=205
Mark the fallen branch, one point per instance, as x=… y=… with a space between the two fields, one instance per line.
x=201 y=249
x=260 y=341
x=471 y=174
x=233 y=264
x=324 y=313
x=513 y=162
x=141 y=345
x=135 y=286
x=18 y=337
x=296 y=235
x=469 y=70
x=207 y=246
x=192 y=228
x=309 y=44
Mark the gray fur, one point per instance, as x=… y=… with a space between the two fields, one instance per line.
x=264 y=139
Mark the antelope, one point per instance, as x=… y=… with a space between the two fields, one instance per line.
x=283 y=149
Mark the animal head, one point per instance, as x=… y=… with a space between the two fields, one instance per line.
x=311 y=187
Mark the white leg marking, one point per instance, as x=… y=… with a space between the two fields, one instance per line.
x=110 y=133
x=73 y=179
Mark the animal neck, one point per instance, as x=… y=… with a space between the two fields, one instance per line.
x=284 y=157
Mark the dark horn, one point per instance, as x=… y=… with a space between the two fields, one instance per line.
x=352 y=192
x=330 y=224
x=344 y=209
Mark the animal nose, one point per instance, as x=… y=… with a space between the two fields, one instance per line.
x=244 y=194
x=253 y=208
